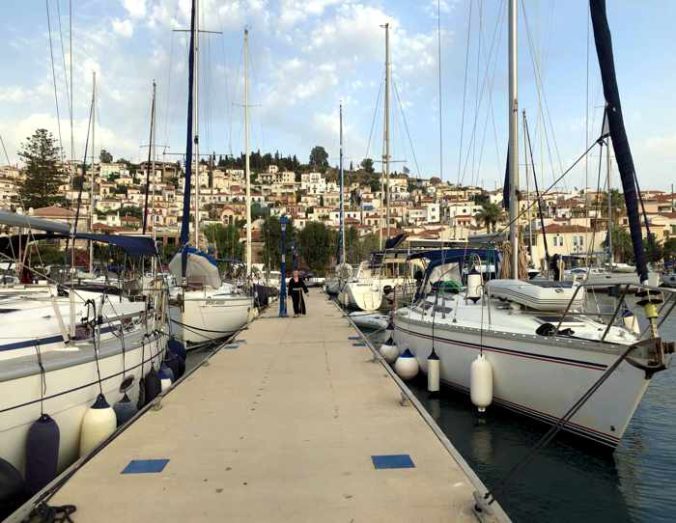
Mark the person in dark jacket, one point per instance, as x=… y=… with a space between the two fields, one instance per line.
x=296 y=289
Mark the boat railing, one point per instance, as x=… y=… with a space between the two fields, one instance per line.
x=625 y=286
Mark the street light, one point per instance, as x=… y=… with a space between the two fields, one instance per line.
x=283 y=222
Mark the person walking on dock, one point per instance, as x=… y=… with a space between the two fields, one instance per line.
x=296 y=289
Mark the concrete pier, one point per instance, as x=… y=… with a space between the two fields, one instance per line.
x=292 y=425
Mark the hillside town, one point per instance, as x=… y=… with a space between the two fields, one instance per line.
x=425 y=210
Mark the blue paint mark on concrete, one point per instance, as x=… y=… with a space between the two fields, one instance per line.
x=393 y=461
x=145 y=466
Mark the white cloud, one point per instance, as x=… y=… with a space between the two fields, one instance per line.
x=13 y=94
x=293 y=12
x=135 y=8
x=123 y=28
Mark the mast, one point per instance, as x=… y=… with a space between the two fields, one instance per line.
x=386 y=131
x=185 y=222
x=342 y=192
x=247 y=154
x=151 y=160
x=196 y=109
x=513 y=155
x=610 y=206
x=618 y=133
x=72 y=134
x=93 y=174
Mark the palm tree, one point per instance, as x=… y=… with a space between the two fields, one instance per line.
x=622 y=247
x=489 y=215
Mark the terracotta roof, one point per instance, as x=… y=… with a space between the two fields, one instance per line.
x=556 y=228
x=53 y=211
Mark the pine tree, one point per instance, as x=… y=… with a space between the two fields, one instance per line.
x=44 y=171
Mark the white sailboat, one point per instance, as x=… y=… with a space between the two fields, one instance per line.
x=387 y=275
x=61 y=348
x=544 y=352
x=207 y=308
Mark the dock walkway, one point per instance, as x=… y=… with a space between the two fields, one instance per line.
x=283 y=428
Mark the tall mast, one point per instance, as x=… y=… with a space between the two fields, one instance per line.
x=150 y=172
x=247 y=166
x=93 y=174
x=72 y=134
x=342 y=192
x=386 y=131
x=196 y=109
x=513 y=139
x=185 y=222
x=610 y=205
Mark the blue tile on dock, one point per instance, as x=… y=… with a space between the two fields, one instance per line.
x=145 y=466
x=359 y=344
x=354 y=337
x=393 y=461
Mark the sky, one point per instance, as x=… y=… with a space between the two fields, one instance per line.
x=306 y=56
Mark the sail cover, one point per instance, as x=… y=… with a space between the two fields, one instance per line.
x=625 y=162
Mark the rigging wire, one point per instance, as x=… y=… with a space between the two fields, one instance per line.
x=553 y=184
x=441 y=112
x=464 y=90
x=63 y=57
x=56 y=93
x=168 y=95
x=4 y=149
x=478 y=75
x=496 y=33
x=546 y=112
x=373 y=120
x=408 y=134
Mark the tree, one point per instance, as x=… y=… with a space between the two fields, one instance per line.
x=669 y=248
x=131 y=210
x=105 y=156
x=489 y=215
x=616 y=202
x=272 y=240
x=367 y=165
x=653 y=249
x=44 y=172
x=319 y=158
x=316 y=246
x=258 y=211
x=225 y=239
x=623 y=250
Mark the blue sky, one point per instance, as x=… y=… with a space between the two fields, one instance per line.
x=308 y=54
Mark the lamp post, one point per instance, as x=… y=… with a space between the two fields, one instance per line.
x=283 y=221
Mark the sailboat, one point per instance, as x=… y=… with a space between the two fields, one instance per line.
x=386 y=275
x=539 y=353
x=61 y=347
x=207 y=308
x=343 y=271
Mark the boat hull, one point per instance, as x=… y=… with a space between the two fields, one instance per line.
x=540 y=378
x=70 y=389
x=203 y=319
x=370 y=295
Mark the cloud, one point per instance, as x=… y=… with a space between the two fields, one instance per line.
x=124 y=28
x=13 y=94
x=293 y=12
x=135 y=8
